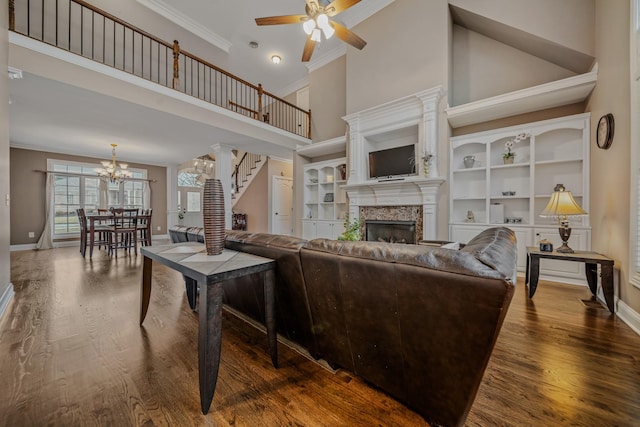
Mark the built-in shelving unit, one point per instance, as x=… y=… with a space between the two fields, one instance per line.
x=487 y=192
x=325 y=202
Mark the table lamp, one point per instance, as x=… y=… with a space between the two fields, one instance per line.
x=560 y=206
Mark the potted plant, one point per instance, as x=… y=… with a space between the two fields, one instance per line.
x=509 y=155
x=351 y=229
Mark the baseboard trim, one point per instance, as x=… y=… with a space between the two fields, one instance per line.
x=6 y=298
x=27 y=247
x=629 y=316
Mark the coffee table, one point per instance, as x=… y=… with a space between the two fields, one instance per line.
x=208 y=273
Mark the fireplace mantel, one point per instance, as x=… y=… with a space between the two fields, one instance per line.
x=414 y=120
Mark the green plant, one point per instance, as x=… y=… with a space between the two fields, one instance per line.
x=351 y=229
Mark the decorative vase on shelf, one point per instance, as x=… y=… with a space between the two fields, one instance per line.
x=508 y=160
x=213 y=216
x=469 y=161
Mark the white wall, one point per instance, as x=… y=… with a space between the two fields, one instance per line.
x=5 y=272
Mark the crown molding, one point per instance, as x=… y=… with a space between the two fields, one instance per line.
x=187 y=23
x=14 y=73
x=293 y=87
x=327 y=57
x=364 y=10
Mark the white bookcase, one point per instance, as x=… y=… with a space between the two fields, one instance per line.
x=325 y=202
x=552 y=152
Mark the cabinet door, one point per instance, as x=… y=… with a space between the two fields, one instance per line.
x=324 y=230
x=524 y=237
x=464 y=233
x=308 y=230
x=338 y=229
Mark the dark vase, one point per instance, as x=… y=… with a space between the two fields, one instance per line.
x=213 y=216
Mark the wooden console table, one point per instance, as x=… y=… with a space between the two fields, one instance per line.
x=208 y=273
x=591 y=260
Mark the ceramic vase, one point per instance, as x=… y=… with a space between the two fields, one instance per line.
x=469 y=161
x=508 y=160
x=213 y=216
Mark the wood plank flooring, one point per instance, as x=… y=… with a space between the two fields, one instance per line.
x=72 y=354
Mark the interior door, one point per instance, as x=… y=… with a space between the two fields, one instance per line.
x=282 y=205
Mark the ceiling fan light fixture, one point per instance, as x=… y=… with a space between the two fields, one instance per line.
x=322 y=20
x=308 y=26
x=316 y=35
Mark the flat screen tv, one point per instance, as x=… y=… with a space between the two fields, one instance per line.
x=393 y=162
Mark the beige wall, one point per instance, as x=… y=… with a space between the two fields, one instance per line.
x=327 y=100
x=610 y=169
x=256 y=200
x=566 y=22
x=5 y=222
x=407 y=52
x=483 y=67
x=28 y=192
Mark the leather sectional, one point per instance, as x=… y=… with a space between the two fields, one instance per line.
x=419 y=322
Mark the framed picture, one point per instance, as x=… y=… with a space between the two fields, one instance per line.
x=328 y=197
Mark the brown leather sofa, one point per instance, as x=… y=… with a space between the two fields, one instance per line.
x=419 y=322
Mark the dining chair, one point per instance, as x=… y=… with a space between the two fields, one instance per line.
x=124 y=230
x=144 y=227
x=100 y=231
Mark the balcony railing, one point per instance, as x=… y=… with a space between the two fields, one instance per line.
x=83 y=29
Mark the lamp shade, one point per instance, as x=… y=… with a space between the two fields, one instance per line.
x=562 y=204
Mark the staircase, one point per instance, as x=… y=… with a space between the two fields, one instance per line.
x=244 y=172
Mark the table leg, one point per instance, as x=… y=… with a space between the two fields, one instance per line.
x=209 y=341
x=534 y=274
x=591 y=271
x=606 y=270
x=192 y=291
x=270 y=317
x=145 y=291
x=526 y=271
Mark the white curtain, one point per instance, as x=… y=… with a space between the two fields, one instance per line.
x=103 y=186
x=46 y=241
x=146 y=195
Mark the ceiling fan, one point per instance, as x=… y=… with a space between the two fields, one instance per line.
x=317 y=22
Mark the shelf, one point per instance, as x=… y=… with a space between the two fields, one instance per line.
x=514 y=165
x=468 y=198
x=555 y=162
x=478 y=169
x=554 y=94
x=509 y=197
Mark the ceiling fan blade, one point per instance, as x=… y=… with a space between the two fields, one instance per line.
x=308 y=49
x=284 y=19
x=347 y=36
x=337 y=6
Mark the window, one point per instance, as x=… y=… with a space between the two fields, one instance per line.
x=76 y=186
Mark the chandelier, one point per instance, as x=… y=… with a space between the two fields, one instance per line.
x=111 y=171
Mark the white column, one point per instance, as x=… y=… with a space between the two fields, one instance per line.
x=429 y=136
x=223 y=172
x=172 y=195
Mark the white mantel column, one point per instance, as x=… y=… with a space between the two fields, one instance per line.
x=429 y=135
x=172 y=196
x=223 y=171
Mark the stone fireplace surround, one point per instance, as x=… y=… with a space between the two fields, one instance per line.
x=411 y=119
x=392 y=213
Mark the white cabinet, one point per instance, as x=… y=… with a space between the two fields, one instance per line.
x=325 y=202
x=313 y=229
x=493 y=192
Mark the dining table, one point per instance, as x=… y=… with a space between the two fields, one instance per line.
x=100 y=219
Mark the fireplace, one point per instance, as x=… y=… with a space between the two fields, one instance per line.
x=390 y=231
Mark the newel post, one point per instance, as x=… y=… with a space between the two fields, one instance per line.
x=175 y=84
x=12 y=15
x=260 y=92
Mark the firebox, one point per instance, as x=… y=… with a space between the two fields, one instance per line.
x=390 y=231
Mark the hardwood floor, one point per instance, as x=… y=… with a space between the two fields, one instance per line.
x=72 y=354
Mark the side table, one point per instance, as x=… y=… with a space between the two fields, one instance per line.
x=591 y=260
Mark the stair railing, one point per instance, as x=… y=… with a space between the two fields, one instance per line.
x=81 y=28
x=243 y=169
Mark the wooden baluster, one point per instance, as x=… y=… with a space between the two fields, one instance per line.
x=175 y=84
x=12 y=15
x=309 y=125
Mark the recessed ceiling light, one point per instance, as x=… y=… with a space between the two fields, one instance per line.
x=253 y=44
x=276 y=59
